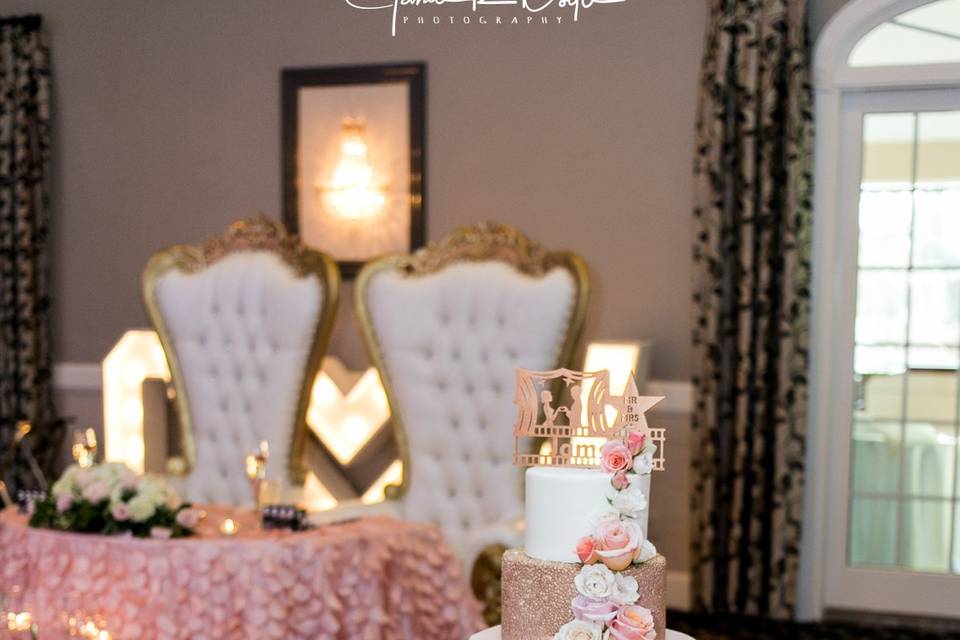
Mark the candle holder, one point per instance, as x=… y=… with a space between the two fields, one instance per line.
x=229 y=527
x=17 y=620
x=256 y=468
x=84 y=449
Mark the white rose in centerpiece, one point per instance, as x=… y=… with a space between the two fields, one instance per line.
x=630 y=502
x=626 y=590
x=595 y=581
x=142 y=508
x=580 y=630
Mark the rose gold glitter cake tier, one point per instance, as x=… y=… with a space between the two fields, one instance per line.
x=537 y=594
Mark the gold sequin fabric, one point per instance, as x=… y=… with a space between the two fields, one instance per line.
x=537 y=594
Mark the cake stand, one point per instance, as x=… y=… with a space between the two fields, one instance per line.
x=493 y=633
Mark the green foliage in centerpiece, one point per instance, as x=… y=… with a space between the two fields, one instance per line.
x=111 y=499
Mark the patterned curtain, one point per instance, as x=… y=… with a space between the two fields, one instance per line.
x=25 y=373
x=752 y=305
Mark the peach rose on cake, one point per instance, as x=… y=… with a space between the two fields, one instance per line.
x=614 y=457
x=586 y=550
x=618 y=543
x=633 y=622
x=580 y=630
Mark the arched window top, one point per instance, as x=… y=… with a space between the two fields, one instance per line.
x=929 y=34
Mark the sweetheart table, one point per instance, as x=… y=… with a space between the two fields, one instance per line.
x=373 y=578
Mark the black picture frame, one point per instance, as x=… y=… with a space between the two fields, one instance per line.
x=294 y=79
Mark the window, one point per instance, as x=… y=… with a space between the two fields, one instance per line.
x=907 y=344
x=927 y=35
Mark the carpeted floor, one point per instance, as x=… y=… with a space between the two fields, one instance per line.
x=713 y=627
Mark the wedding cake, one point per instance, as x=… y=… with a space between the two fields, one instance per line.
x=587 y=571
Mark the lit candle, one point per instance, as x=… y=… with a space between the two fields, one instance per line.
x=22 y=621
x=228 y=527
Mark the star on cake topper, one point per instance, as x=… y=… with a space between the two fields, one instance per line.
x=568 y=410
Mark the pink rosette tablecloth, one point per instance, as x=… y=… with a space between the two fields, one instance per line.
x=370 y=579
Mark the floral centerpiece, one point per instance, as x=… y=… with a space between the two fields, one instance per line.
x=111 y=499
x=606 y=605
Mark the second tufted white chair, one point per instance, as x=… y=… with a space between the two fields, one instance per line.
x=244 y=320
x=447 y=327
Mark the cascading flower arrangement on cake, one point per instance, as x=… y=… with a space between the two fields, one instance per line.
x=587 y=570
x=111 y=499
x=606 y=605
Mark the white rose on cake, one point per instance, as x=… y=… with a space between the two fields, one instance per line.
x=647 y=552
x=643 y=463
x=626 y=590
x=630 y=502
x=596 y=581
x=580 y=630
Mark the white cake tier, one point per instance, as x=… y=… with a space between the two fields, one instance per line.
x=564 y=505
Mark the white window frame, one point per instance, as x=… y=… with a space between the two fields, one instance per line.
x=837 y=155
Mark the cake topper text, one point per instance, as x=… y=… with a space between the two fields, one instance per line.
x=573 y=413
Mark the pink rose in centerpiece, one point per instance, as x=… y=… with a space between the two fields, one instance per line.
x=633 y=622
x=120 y=512
x=129 y=480
x=96 y=492
x=188 y=518
x=618 y=543
x=64 y=502
x=635 y=442
x=614 y=457
x=586 y=550
x=161 y=533
x=620 y=481
x=590 y=610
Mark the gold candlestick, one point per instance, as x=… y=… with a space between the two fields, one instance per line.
x=256 y=467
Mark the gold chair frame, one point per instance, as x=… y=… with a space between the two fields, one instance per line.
x=259 y=233
x=482 y=242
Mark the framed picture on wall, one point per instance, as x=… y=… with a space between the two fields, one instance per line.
x=354 y=158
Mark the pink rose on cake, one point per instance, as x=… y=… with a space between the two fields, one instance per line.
x=620 y=480
x=590 y=610
x=618 y=543
x=635 y=442
x=614 y=457
x=633 y=622
x=580 y=630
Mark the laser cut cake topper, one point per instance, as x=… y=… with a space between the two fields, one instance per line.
x=572 y=427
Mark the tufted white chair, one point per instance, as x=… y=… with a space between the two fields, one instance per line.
x=447 y=327
x=244 y=320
